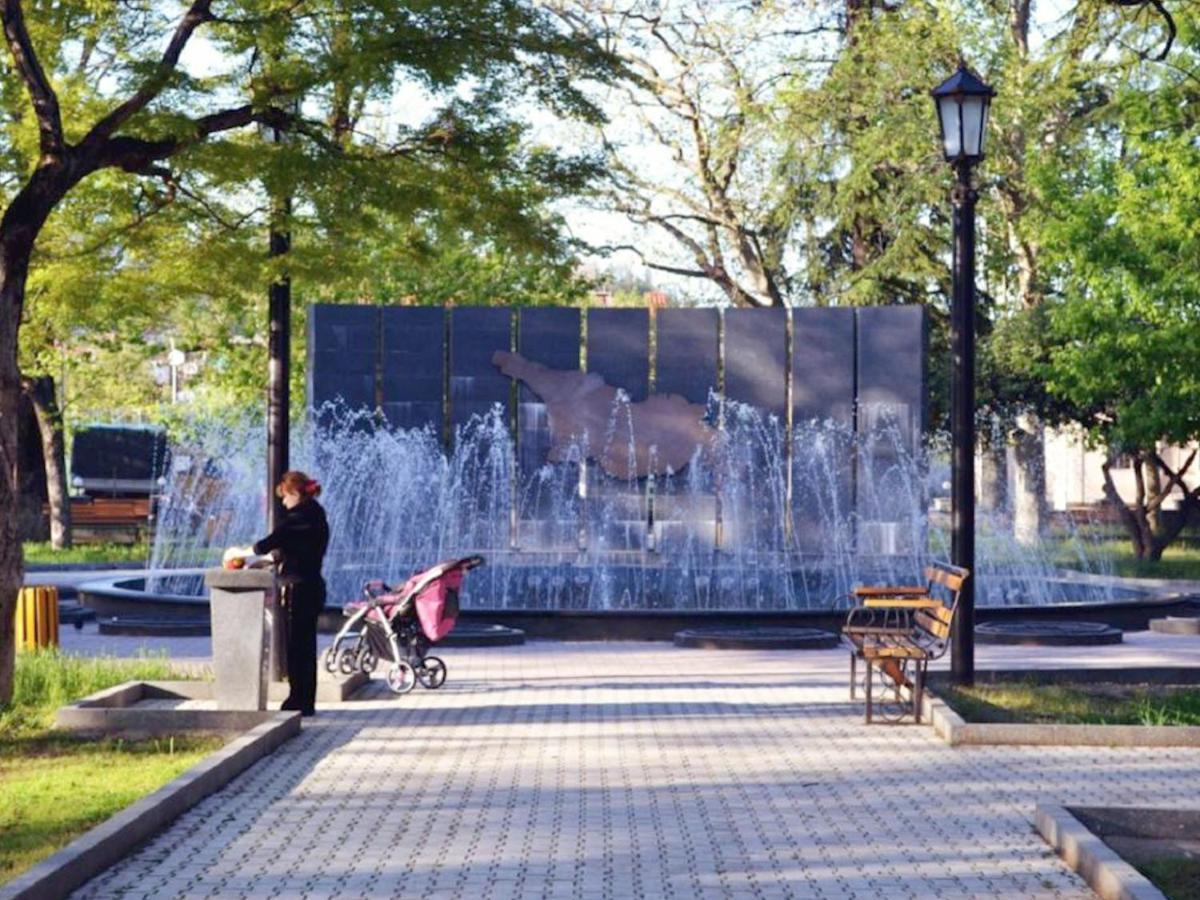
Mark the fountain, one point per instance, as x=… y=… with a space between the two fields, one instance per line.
x=775 y=516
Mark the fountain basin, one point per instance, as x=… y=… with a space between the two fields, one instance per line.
x=1129 y=610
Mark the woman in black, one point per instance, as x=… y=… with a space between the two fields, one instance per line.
x=300 y=539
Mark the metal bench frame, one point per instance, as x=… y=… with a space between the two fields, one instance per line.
x=904 y=624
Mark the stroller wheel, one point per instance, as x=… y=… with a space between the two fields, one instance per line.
x=401 y=678
x=330 y=660
x=432 y=672
x=366 y=661
x=347 y=662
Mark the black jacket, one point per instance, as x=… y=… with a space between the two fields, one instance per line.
x=301 y=538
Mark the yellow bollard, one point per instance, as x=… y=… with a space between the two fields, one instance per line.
x=37 y=618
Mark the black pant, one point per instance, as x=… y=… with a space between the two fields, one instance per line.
x=305 y=599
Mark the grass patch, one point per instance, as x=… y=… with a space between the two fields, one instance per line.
x=1074 y=704
x=54 y=787
x=41 y=553
x=44 y=680
x=1179 y=561
x=1176 y=876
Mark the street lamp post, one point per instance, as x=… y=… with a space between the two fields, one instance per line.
x=962 y=102
x=279 y=339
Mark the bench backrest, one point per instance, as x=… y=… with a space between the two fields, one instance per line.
x=111 y=510
x=936 y=622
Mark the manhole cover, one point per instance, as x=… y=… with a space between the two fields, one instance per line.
x=1176 y=625
x=145 y=626
x=481 y=634
x=716 y=638
x=1047 y=634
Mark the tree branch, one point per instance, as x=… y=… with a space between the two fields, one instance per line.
x=197 y=15
x=1157 y=6
x=138 y=154
x=41 y=93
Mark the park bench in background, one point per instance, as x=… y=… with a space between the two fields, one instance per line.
x=898 y=629
x=109 y=518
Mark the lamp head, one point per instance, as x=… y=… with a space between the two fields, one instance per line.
x=962 y=102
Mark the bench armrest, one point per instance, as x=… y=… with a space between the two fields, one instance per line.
x=902 y=603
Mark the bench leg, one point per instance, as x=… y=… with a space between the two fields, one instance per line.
x=853 y=671
x=918 y=689
x=870 y=679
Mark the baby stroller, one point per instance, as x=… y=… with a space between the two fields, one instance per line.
x=398 y=624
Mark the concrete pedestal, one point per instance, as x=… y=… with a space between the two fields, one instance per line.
x=244 y=616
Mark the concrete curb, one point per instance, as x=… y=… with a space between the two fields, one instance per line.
x=1098 y=864
x=950 y=727
x=98 y=849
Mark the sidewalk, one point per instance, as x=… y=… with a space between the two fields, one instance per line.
x=643 y=770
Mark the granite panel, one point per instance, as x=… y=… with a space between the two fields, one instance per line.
x=756 y=358
x=475 y=384
x=686 y=352
x=413 y=366
x=618 y=348
x=891 y=369
x=343 y=347
x=823 y=365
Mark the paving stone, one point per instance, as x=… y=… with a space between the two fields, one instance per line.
x=638 y=770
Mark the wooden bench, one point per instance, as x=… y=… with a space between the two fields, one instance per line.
x=898 y=629
x=102 y=515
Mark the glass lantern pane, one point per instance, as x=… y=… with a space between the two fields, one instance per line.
x=972 y=125
x=987 y=108
x=951 y=126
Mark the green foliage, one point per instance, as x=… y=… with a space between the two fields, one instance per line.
x=1125 y=238
x=413 y=170
x=862 y=166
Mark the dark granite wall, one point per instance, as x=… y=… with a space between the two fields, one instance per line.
x=414 y=366
x=550 y=336
x=863 y=368
x=756 y=358
x=475 y=384
x=686 y=360
x=395 y=357
x=343 y=356
x=618 y=348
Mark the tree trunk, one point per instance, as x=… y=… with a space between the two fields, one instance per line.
x=1127 y=517
x=19 y=228
x=993 y=477
x=12 y=288
x=1154 y=498
x=40 y=391
x=1029 y=481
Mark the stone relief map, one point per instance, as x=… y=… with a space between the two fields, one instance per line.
x=667 y=429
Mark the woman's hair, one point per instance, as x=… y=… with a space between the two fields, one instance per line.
x=298 y=483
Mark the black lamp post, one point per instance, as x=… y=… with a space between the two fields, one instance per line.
x=279 y=339
x=962 y=105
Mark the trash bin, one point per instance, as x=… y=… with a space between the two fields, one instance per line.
x=243 y=604
x=37 y=618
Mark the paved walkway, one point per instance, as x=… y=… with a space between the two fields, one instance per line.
x=641 y=770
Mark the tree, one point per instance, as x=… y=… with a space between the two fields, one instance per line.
x=153 y=116
x=1122 y=348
